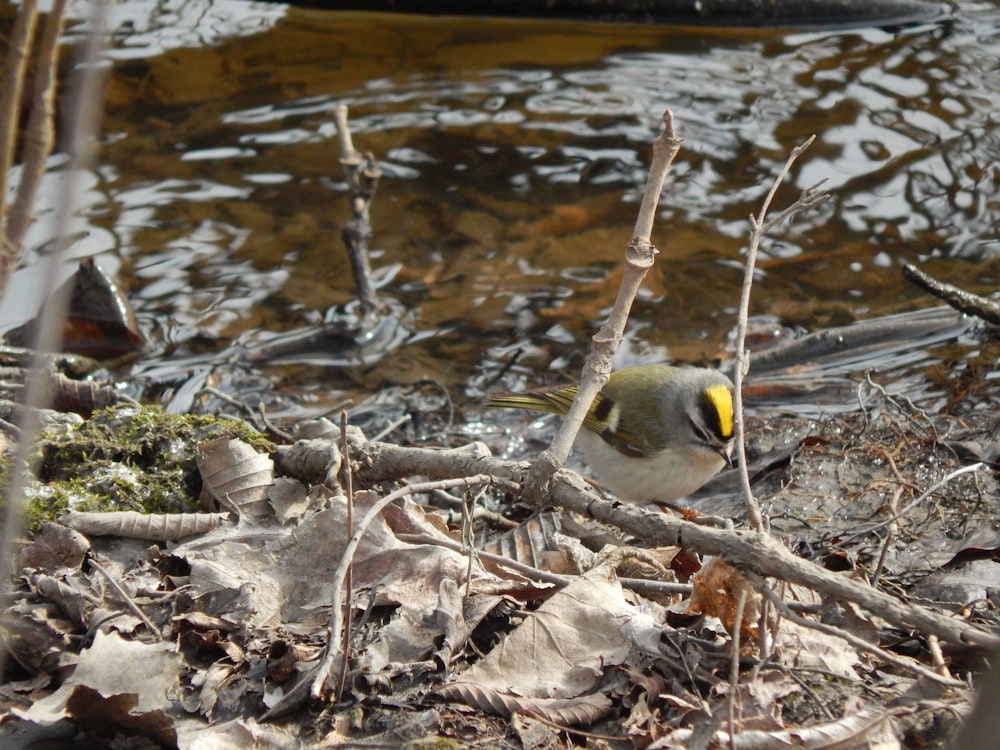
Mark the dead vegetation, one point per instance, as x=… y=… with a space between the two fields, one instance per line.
x=285 y=627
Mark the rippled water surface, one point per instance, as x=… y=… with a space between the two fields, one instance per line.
x=514 y=154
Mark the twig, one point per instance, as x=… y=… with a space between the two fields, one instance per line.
x=808 y=199
x=38 y=140
x=638 y=585
x=639 y=256
x=348 y=590
x=324 y=684
x=83 y=113
x=916 y=501
x=734 y=665
x=754 y=552
x=961 y=300
x=133 y=607
x=468 y=536
x=363 y=173
x=937 y=657
x=508 y=562
x=911 y=412
x=10 y=113
x=859 y=643
x=889 y=535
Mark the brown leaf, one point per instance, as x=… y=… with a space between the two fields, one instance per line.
x=108 y=688
x=562 y=649
x=716 y=591
x=565 y=711
x=57 y=549
x=237 y=476
x=289 y=498
x=130 y=524
x=79 y=396
x=535 y=542
x=420 y=633
x=37 y=636
x=99 y=320
x=243 y=560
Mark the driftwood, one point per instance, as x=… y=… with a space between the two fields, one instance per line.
x=961 y=300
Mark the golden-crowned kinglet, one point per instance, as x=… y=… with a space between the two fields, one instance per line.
x=653 y=433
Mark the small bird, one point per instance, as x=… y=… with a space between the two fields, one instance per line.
x=654 y=433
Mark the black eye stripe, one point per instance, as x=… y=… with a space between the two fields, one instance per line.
x=710 y=418
x=700 y=431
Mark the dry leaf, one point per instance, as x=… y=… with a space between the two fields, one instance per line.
x=585 y=709
x=867 y=729
x=716 y=593
x=438 y=631
x=540 y=543
x=108 y=691
x=562 y=649
x=242 y=561
x=289 y=499
x=57 y=550
x=237 y=476
x=130 y=524
x=800 y=646
x=240 y=734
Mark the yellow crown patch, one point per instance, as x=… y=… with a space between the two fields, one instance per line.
x=722 y=399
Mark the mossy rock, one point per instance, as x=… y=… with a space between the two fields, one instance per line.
x=127 y=458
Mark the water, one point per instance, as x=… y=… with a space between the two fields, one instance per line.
x=514 y=154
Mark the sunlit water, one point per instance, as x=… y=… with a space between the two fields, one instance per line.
x=514 y=154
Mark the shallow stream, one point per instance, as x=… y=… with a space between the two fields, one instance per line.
x=514 y=153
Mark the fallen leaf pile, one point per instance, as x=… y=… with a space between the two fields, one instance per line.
x=230 y=628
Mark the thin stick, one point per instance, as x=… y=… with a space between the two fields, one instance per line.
x=734 y=666
x=889 y=535
x=757 y=228
x=10 y=103
x=859 y=643
x=916 y=501
x=639 y=256
x=961 y=300
x=348 y=591
x=133 y=607
x=323 y=684
x=754 y=552
x=508 y=562
x=38 y=141
x=363 y=173
x=83 y=115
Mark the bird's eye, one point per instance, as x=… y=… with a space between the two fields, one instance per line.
x=700 y=432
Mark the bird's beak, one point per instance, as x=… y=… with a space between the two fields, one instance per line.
x=726 y=452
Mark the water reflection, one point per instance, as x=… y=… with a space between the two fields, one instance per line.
x=514 y=154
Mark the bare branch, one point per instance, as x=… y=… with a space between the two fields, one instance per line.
x=324 y=684
x=10 y=101
x=363 y=173
x=639 y=256
x=758 y=553
x=809 y=198
x=38 y=141
x=961 y=300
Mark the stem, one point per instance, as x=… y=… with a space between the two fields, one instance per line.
x=757 y=227
x=639 y=256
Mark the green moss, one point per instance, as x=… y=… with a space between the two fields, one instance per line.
x=128 y=458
